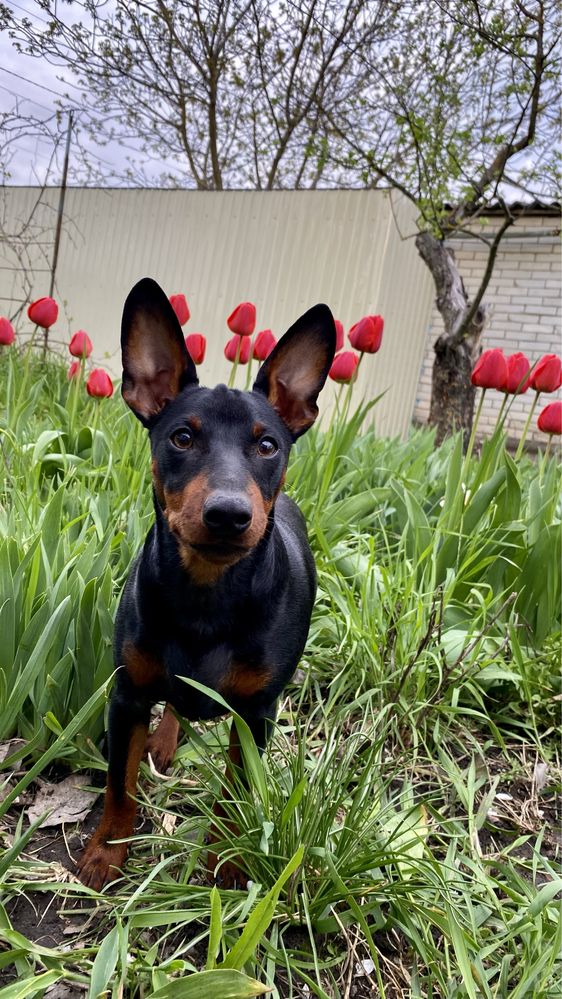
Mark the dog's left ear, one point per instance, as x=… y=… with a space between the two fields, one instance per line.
x=297 y=368
x=156 y=362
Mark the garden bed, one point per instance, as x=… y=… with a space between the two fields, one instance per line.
x=415 y=760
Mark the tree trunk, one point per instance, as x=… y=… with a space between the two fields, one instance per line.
x=452 y=393
x=458 y=347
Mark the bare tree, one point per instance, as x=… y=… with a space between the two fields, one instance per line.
x=23 y=240
x=468 y=119
x=228 y=92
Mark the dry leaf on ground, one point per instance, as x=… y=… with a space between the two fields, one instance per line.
x=67 y=801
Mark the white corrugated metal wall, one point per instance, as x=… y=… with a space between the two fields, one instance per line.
x=283 y=250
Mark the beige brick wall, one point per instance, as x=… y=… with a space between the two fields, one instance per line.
x=525 y=302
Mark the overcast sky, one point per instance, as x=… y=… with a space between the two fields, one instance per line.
x=37 y=89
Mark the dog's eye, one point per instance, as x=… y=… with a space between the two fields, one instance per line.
x=267 y=447
x=182 y=438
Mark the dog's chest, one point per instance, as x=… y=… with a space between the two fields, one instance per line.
x=233 y=679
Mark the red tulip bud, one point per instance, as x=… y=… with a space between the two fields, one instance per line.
x=518 y=368
x=181 y=308
x=73 y=371
x=232 y=347
x=343 y=366
x=490 y=370
x=44 y=312
x=243 y=319
x=263 y=345
x=196 y=345
x=339 y=335
x=99 y=384
x=550 y=418
x=546 y=376
x=80 y=344
x=7 y=335
x=366 y=335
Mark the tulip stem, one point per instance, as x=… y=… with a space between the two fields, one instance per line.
x=335 y=417
x=501 y=412
x=352 y=380
x=470 y=447
x=519 y=451
x=75 y=388
x=356 y=372
x=235 y=365
x=28 y=352
x=94 y=427
x=249 y=375
x=34 y=333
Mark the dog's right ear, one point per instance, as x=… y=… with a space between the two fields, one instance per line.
x=156 y=363
x=297 y=368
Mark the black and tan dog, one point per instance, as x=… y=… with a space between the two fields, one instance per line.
x=223 y=588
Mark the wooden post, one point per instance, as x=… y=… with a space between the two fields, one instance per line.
x=59 y=220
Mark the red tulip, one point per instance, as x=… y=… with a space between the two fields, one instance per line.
x=343 y=366
x=181 y=308
x=243 y=319
x=44 y=312
x=232 y=347
x=263 y=345
x=7 y=335
x=99 y=384
x=73 y=371
x=546 y=376
x=550 y=419
x=490 y=370
x=366 y=335
x=339 y=335
x=518 y=368
x=196 y=345
x=80 y=344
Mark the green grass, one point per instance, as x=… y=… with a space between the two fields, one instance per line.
x=372 y=829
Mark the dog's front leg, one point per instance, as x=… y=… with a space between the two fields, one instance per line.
x=128 y=728
x=163 y=742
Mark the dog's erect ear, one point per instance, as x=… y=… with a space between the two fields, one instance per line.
x=156 y=363
x=297 y=368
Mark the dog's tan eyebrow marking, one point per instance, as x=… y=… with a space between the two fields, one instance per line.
x=258 y=429
x=194 y=422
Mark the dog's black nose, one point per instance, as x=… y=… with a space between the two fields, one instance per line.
x=227 y=514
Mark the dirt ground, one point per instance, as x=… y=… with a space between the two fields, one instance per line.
x=521 y=807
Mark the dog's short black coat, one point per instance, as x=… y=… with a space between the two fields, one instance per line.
x=223 y=588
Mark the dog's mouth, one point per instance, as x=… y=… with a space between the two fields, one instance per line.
x=220 y=551
x=216 y=550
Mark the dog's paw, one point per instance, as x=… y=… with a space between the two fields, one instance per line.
x=161 y=750
x=101 y=863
